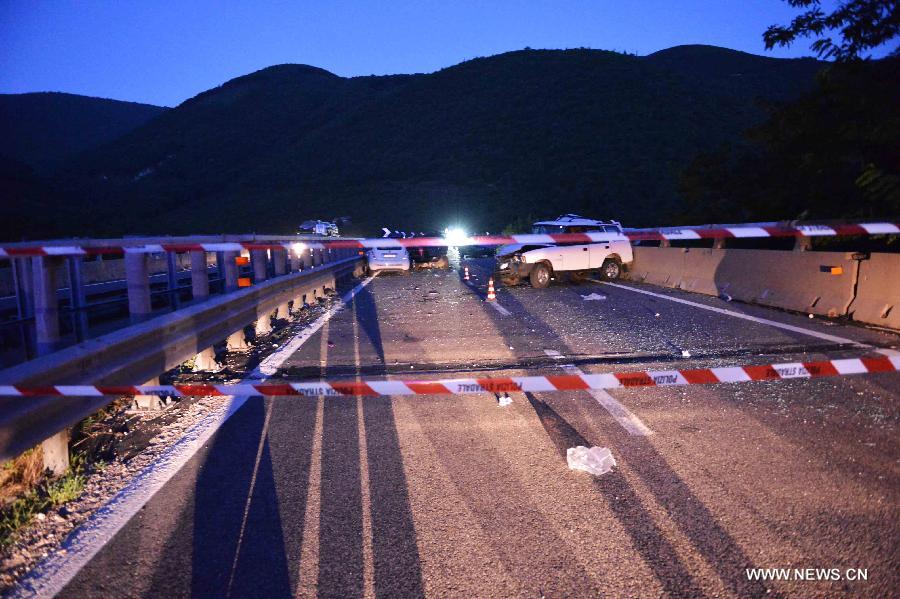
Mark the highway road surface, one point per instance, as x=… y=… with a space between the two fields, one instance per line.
x=460 y=497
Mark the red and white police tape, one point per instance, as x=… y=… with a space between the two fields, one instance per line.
x=746 y=230
x=616 y=380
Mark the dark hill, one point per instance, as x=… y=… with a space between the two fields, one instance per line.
x=44 y=129
x=482 y=143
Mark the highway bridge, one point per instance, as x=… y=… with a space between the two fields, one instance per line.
x=748 y=396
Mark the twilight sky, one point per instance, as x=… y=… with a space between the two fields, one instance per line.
x=164 y=52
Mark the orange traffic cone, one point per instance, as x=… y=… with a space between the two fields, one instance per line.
x=491 y=295
x=466 y=278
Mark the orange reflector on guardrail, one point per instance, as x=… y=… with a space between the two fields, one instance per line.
x=244 y=282
x=242 y=260
x=837 y=270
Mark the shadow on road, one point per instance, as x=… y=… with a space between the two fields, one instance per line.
x=244 y=532
x=397 y=571
x=695 y=520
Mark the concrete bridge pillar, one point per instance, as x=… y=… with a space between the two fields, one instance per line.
x=199 y=276
x=206 y=360
x=259 y=259
x=46 y=307
x=237 y=341
x=279 y=256
x=295 y=260
x=137 y=277
x=230 y=270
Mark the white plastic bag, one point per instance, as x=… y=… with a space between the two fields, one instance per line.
x=596 y=460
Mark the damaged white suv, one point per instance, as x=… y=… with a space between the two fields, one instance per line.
x=589 y=247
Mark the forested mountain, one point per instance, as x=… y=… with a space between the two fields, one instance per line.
x=482 y=143
x=44 y=129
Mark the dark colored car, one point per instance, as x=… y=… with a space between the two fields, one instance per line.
x=429 y=256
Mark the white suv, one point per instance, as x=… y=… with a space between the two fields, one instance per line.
x=604 y=250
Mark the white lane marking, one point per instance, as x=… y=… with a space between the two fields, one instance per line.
x=52 y=574
x=625 y=417
x=766 y=321
x=273 y=361
x=496 y=306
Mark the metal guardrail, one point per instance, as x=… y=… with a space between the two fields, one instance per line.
x=142 y=351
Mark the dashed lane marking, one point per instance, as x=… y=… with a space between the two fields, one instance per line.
x=625 y=417
x=52 y=574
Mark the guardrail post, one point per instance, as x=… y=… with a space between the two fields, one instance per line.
x=229 y=270
x=46 y=306
x=206 y=360
x=237 y=341
x=279 y=256
x=664 y=243
x=307 y=258
x=148 y=402
x=258 y=259
x=56 y=452
x=263 y=324
x=199 y=276
x=283 y=312
x=719 y=243
x=77 y=301
x=802 y=243
x=137 y=277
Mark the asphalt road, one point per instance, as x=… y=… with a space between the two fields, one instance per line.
x=457 y=496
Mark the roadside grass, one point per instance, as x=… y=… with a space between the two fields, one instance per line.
x=20 y=474
x=42 y=493
x=26 y=489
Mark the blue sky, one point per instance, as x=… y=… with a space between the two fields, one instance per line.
x=166 y=52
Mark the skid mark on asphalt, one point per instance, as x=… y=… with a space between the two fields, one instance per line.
x=625 y=417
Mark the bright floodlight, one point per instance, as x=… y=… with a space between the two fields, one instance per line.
x=455 y=236
x=298 y=247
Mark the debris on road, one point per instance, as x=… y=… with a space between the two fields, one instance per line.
x=594 y=460
x=504 y=401
x=593 y=297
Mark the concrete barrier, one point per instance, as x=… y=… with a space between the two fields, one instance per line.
x=657 y=266
x=814 y=282
x=877 y=298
